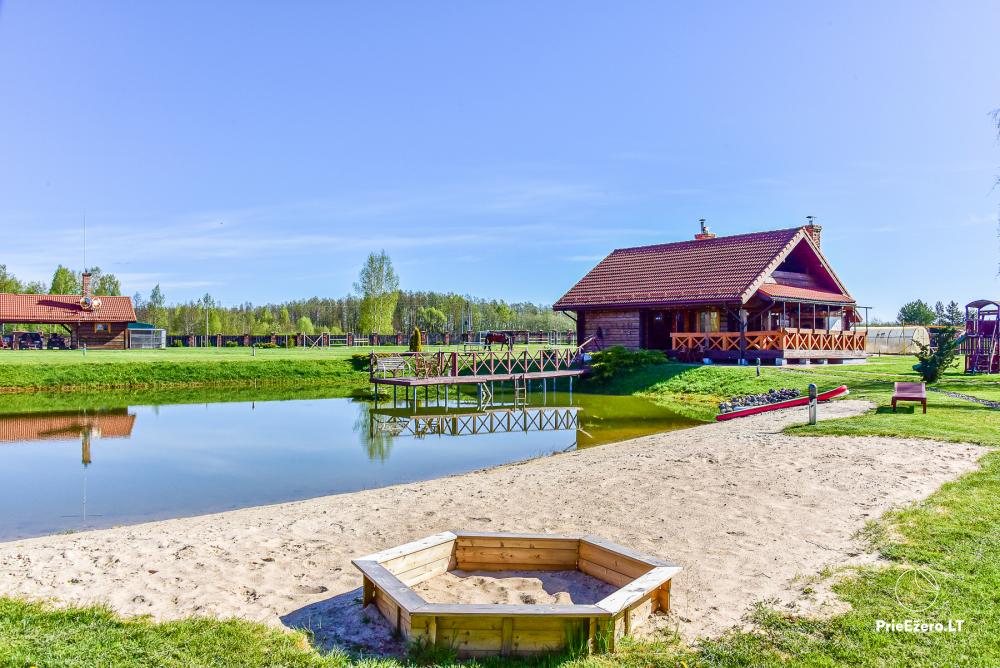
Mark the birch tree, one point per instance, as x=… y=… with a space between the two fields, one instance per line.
x=378 y=287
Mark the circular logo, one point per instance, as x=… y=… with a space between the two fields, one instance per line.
x=916 y=590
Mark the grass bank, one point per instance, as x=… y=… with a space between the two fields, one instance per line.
x=72 y=370
x=953 y=536
x=33 y=371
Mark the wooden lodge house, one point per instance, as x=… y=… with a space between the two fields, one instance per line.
x=97 y=322
x=771 y=296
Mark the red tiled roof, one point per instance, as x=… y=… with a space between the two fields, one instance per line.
x=57 y=309
x=708 y=270
x=807 y=294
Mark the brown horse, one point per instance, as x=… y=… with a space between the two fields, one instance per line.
x=498 y=337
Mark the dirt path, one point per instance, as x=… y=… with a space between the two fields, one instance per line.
x=741 y=507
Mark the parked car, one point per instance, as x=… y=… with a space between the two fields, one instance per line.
x=29 y=341
x=57 y=342
x=6 y=341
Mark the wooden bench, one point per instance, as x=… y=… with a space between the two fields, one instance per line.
x=390 y=365
x=909 y=392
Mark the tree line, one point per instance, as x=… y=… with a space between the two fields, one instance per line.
x=919 y=312
x=377 y=306
x=65 y=281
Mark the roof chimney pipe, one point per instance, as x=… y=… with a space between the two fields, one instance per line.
x=814 y=231
x=704 y=234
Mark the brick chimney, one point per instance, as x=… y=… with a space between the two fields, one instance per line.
x=86 y=283
x=704 y=234
x=815 y=231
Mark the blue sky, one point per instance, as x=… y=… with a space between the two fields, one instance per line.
x=259 y=150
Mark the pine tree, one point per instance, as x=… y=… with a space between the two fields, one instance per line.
x=954 y=316
x=916 y=313
x=939 y=313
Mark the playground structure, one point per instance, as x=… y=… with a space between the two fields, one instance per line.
x=981 y=343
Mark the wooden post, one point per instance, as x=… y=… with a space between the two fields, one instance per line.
x=506 y=636
x=368 y=592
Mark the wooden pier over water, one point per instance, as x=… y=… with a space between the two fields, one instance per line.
x=480 y=368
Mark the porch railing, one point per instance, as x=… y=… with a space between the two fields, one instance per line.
x=472 y=363
x=778 y=340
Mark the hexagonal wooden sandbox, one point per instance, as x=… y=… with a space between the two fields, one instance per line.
x=488 y=629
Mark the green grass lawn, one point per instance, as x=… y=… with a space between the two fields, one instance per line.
x=955 y=535
x=34 y=370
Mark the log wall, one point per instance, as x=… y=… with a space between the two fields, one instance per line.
x=113 y=339
x=619 y=328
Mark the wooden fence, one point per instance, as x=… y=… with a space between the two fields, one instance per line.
x=326 y=340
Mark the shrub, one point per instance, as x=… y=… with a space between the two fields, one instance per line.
x=617 y=360
x=177 y=343
x=232 y=344
x=932 y=364
x=267 y=345
x=415 y=340
x=360 y=362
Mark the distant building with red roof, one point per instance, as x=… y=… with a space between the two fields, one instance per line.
x=97 y=321
x=767 y=295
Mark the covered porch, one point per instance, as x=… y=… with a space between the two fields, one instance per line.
x=784 y=343
x=777 y=330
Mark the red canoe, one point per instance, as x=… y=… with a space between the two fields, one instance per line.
x=790 y=403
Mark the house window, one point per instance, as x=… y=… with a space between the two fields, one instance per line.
x=101 y=328
x=708 y=321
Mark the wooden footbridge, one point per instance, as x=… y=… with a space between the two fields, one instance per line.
x=473 y=367
x=481 y=368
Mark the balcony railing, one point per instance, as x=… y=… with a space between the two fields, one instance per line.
x=778 y=340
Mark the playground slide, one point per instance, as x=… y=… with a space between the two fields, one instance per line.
x=790 y=403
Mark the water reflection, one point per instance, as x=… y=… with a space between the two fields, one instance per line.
x=63 y=426
x=390 y=423
x=190 y=457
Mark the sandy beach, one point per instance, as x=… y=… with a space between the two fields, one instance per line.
x=741 y=507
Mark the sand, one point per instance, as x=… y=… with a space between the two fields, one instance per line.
x=515 y=587
x=741 y=507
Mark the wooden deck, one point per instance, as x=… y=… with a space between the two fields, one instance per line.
x=784 y=343
x=473 y=367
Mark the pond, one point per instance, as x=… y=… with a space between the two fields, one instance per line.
x=70 y=464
